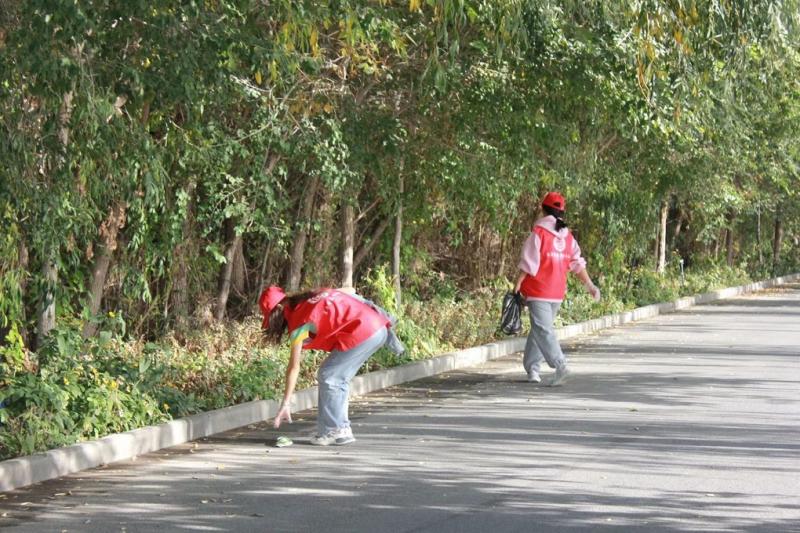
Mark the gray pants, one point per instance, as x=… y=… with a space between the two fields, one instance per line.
x=542 y=342
x=333 y=381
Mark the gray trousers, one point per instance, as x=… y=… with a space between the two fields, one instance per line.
x=333 y=381
x=542 y=342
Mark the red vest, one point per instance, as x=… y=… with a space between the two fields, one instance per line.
x=341 y=321
x=555 y=255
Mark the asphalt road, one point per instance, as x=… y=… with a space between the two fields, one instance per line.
x=686 y=422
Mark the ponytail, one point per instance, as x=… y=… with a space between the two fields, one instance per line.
x=558 y=214
x=277 y=324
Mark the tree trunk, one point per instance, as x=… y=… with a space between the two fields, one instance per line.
x=180 y=276
x=109 y=230
x=367 y=247
x=348 y=236
x=24 y=259
x=239 y=272
x=46 y=320
x=501 y=265
x=97 y=284
x=180 y=286
x=662 y=237
x=266 y=271
x=64 y=115
x=677 y=231
x=232 y=243
x=299 y=244
x=758 y=237
x=729 y=241
x=398 y=238
x=47 y=314
x=777 y=241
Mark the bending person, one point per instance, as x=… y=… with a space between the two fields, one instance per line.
x=347 y=327
x=549 y=253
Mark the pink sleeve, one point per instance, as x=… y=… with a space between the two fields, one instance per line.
x=577 y=262
x=529 y=260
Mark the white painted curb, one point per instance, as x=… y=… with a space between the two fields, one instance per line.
x=22 y=471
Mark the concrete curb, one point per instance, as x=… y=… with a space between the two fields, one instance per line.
x=22 y=471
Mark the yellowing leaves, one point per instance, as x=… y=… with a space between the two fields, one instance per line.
x=313 y=41
x=414 y=5
x=258 y=77
x=273 y=71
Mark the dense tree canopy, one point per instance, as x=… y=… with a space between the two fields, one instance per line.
x=165 y=159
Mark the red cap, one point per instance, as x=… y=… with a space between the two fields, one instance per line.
x=270 y=297
x=555 y=200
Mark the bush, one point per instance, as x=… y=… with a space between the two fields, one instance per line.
x=77 y=389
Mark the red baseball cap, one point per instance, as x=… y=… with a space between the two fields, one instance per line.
x=270 y=297
x=555 y=200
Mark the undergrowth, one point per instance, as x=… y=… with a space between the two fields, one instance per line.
x=75 y=389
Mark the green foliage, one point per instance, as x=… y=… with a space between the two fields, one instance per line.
x=152 y=134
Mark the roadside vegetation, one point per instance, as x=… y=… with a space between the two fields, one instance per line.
x=162 y=161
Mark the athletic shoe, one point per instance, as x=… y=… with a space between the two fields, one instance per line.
x=561 y=375
x=337 y=437
x=534 y=377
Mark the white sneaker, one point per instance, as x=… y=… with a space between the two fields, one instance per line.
x=337 y=437
x=534 y=377
x=561 y=376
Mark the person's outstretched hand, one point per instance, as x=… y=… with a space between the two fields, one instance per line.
x=593 y=291
x=284 y=413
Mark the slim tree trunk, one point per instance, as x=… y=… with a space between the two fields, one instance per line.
x=46 y=320
x=96 y=286
x=239 y=271
x=501 y=265
x=777 y=241
x=299 y=244
x=109 y=230
x=677 y=231
x=265 y=267
x=729 y=241
x=348 y=236
x=233 y=242
x=758 y=237
x=47 y=314
x=180 y=276
x=24 y=258
x=398 y=238
x=662 y=237
x=366 y=248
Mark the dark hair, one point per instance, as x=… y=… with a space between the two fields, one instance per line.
x=558 y=213
x=276 y=324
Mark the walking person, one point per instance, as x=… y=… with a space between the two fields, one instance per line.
x=347 y=326
x=549 y=253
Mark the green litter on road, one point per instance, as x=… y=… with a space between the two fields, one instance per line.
x=282 y=442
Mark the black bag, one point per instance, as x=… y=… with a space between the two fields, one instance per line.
x=511 y=317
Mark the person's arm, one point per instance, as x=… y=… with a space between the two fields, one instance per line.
x=292 y=371
x=529 y=259
x=520 y=279
x=587 y=282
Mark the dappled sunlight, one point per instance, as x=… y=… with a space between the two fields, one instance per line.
x=638 y=439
